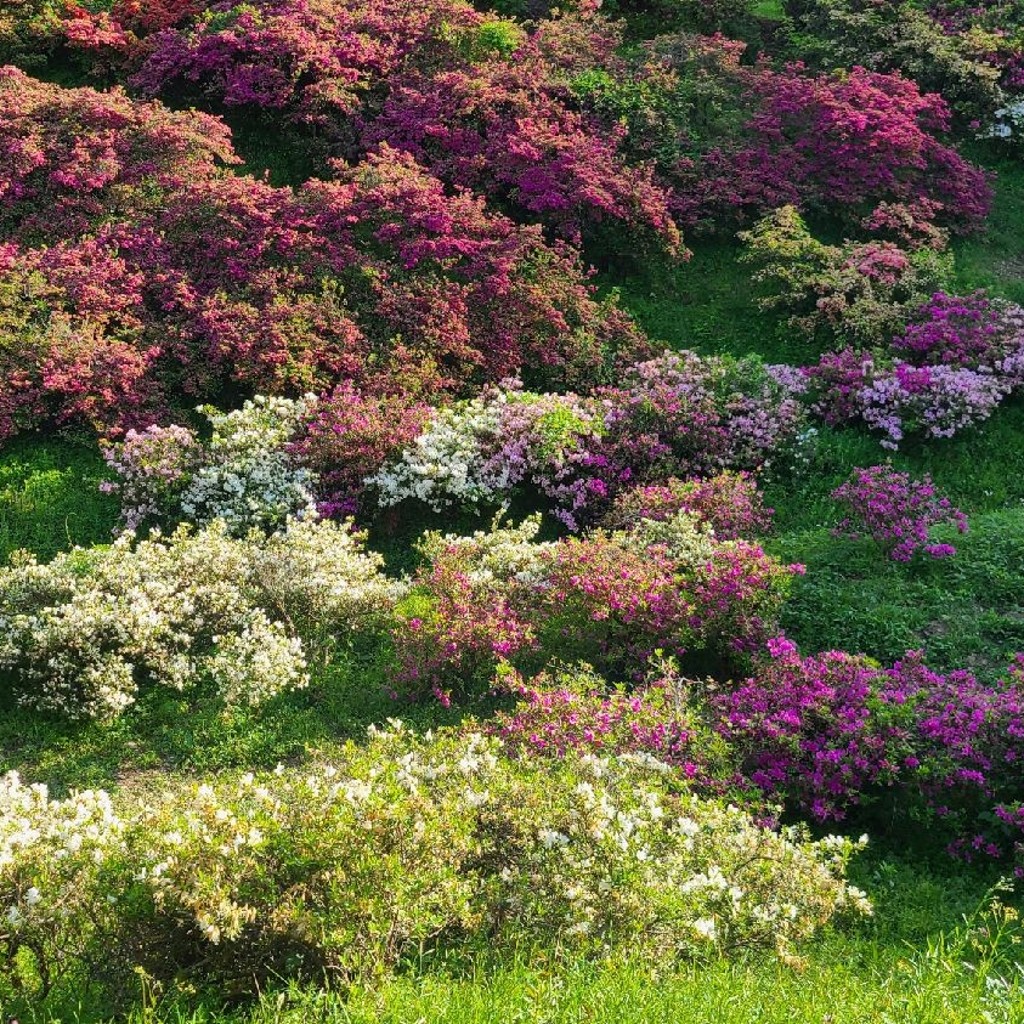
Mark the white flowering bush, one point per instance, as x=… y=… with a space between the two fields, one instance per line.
x=446 y=464
x=244 y=474
x=82 y=633
x=406 y=844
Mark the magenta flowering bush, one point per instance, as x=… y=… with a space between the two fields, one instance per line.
x=71 y=159
x=896 y=511
x=832 y=737
x=611 y=599
x=971 y=331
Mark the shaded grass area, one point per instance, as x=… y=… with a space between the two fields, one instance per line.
x=50 y=498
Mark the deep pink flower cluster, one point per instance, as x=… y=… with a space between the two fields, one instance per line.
x=896 y=511
x=969 y=331
x=729 y=502
x=313 y=61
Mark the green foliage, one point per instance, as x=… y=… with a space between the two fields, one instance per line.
x=857 y=292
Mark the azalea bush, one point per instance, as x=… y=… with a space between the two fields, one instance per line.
x=833 y=732
x=729 y=502
x=898 y=399
x=84 y=634
x=318 y=872
x=679 y=414
x=611 y=598
x=378 y=278
x=896 y=511
x=900 y=37
x=71 y=159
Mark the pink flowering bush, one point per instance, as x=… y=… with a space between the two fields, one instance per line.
x=896 y=511
x=969 y=331
x=314 y=62
x=729 y=502
x=504 y=127
x=611 y=599
x=350 y=436
x=833 y=732
x=375 y=278
x=899 y=399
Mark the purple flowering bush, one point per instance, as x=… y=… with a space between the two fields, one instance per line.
x=896 y=511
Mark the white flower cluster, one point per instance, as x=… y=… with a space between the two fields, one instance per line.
x=688 y=541
x=404 y=839
x=247 y=477
x=446 y=462
x=50 y=854
x=81 y=633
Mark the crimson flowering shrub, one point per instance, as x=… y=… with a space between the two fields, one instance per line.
x=375 y=278
x=72 y=159
x=853 y=139
x=312 y=61
x=896 y=511
x=350 y=436
x=900 y=36
x=735 y=140
x=729 y=502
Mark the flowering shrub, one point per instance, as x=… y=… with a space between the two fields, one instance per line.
x=834 y=731
x=966 y=331
x=729 y=502
x=899 y=399
x=503 y=126
x=377 y=278
x=234 y=881
x=83 y=633
x=153 y=466
x=899 y=37
x=896 y=511
x=678 y=414
x=243 y=475
x=349 y=436
x=859 y=292
x=736 y=140
x=611 y=599
x=314 y=61
x=71 y=159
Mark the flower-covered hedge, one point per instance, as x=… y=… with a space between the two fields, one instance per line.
x=404 y=845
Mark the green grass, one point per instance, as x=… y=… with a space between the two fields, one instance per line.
x=50 y=498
